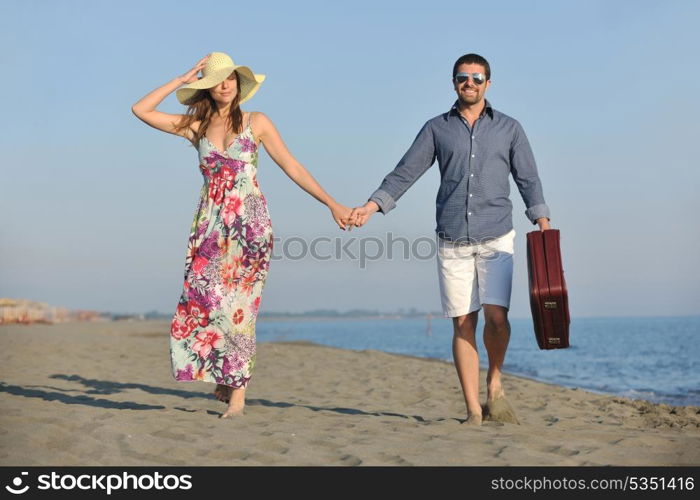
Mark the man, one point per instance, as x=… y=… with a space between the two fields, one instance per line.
x=476 y=147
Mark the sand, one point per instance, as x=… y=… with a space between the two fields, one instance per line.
x=102 y=394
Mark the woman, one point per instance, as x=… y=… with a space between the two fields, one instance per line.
x=213 y=330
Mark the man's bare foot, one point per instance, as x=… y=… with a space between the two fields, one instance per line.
x=494 y=390
x=473 y=419
x=497 y=407
x=499 y=410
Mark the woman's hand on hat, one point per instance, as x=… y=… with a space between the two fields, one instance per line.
x=191 y=75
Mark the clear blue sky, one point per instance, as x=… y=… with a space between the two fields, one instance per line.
x=96 y=206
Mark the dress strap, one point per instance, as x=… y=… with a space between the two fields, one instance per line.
x=250 y=117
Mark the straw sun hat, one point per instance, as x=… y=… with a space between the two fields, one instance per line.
x=217 y=68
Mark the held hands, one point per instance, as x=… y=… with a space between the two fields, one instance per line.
x=341 y=215
x=346 y=217
x=360 y=215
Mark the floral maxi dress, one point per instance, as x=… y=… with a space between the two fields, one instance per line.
x=212 y=336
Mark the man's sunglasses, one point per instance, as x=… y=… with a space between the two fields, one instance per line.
x=478 y=78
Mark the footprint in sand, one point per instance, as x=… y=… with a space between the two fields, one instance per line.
x=564 y=452
x=393 y=459
x=175 y=436
x=350 y=460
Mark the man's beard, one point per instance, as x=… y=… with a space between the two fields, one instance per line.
x=469 y=100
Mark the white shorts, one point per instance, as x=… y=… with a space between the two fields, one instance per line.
x=472 y=275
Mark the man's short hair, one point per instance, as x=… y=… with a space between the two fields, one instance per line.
x=472 y=59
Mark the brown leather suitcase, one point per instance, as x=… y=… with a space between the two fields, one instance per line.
x=549 y=299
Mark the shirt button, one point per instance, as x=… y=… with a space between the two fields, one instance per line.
x=473 y=156
x=471 y=175
x=469 y=213
x=473 y=137
x=470 y=195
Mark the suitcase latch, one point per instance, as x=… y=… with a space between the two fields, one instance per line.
x=550 y=305
x=554 y=340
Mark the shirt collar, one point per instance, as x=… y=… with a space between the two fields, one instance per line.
x=487 y=108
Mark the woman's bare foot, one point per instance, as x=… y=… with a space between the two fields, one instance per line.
x=233 y=411
x=236 y=403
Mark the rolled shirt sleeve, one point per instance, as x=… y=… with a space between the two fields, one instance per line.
x=417 y=160
x=524 y=171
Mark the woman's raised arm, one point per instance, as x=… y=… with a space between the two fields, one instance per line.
x=145 y=108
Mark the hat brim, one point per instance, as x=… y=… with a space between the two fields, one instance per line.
x=250 y=83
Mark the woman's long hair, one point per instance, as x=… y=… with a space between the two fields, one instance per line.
x=201 y=107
